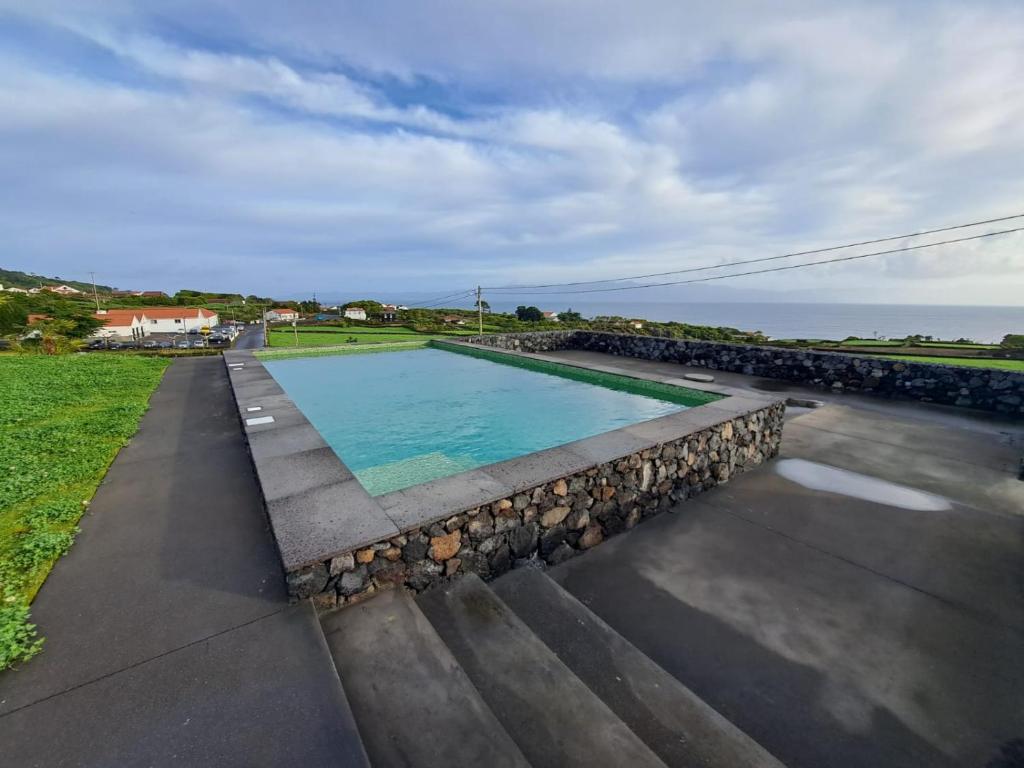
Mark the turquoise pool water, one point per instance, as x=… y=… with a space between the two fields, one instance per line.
x=401 y=418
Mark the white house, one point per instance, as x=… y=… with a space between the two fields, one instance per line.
x=355 y=313
x=63 y=290
x=281 y=314
x=550 y=316
x=136 y=323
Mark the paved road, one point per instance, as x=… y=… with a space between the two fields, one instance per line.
x=169 y=639
x=250 y=338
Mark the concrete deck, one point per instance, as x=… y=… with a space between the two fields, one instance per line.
x=169 y=638
x=852 y=624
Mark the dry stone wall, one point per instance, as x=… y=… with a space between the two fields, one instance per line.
x=549 y=523
x=985 y=389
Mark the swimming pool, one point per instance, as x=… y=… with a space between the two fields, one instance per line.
x=398 y=419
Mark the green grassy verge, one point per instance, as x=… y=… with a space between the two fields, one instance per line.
x=63 y=421
x=315 y=336
x=969 y=362
x=344 y=349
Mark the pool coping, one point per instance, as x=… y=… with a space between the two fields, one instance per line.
x=319 y=510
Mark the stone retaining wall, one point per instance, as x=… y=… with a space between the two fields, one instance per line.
x=549 y=523
x=982 y=388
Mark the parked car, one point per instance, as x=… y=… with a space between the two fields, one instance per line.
x=216 y=338
x=181 y=344
x=198 y=343
x=97 y=344
x=116 y=345
x=193 y=331
x=150 y=344
x=165 y=344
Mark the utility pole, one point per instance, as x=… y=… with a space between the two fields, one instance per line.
x=95 y=295
x=479 y=311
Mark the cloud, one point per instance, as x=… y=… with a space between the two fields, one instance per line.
x=400 y=146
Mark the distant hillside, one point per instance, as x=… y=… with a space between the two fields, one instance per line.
x=12 y=278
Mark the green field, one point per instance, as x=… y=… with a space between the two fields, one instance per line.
x=870 y=343
x=902 y=343
x=318 y=336
x=970 y=362
x=63 y=421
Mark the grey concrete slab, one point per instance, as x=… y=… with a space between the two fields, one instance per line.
x=257 y=389
x=673 y=721
x=821 y=659
x=969 y=558
x=325 y=521
x=284 y=441
x=424 y=503
x=259 y=695
x=609 y=446
x=296 y=473
x=999 y=452
x=537 y=468
x=968 y=482
x=283 y=417
x=414 y=704
x=536 y=697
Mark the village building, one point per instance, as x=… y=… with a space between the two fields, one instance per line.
x=142 y=321
x=355 y=313
x=281 y=314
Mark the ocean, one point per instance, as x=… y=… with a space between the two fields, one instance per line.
x=819 y=321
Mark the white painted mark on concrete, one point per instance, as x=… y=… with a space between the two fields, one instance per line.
x=236 y=365
x=706 y=377
x=253 y=408
x=822 y=477
x=260 y=420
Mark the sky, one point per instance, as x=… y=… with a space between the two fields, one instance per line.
x=408 y=148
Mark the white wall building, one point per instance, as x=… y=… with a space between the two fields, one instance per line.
x=142 y=321
x=281 y=313
x=355 y=313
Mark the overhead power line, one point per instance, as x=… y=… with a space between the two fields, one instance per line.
x=443 y=300
x=773 y=269
x=432 y=302
x=514 y=288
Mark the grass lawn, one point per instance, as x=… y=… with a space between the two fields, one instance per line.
x=870 y=343
x=900 y=343
x=970 y=362
x=318 y=336
x=63 y=421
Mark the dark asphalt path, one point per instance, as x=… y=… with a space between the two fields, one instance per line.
x=169 y=639
x=250 y=338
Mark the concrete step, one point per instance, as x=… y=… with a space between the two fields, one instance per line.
x=554 y=718
x=672 y=720
x=413 y=703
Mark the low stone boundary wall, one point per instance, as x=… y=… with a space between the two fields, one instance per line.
x=550 y=522
x=985 y=389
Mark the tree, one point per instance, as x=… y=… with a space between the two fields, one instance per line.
x=485 y=306
x=309 y=307
x=1013 y=341
x=569 y=316
x=13 y=313
x=529 y=314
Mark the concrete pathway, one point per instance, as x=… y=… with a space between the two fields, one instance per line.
x=169 y=639
x=855 y=603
